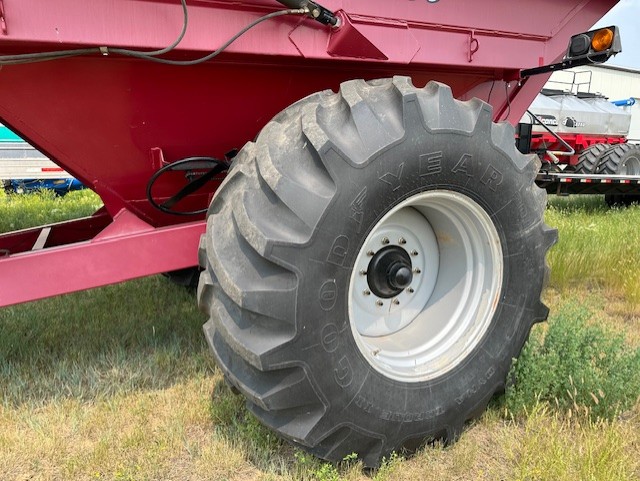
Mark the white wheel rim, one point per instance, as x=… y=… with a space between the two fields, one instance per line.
x=437 y=321
x=631 y=166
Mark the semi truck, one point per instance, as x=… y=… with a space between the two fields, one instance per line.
x=341 y=175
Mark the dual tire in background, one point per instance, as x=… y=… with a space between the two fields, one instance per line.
x=619 y=159
x=606 y=159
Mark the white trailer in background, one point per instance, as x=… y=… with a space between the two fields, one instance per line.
x=611 y=81
x=20 y=162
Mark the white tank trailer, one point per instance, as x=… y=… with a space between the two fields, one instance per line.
x=595 y=157
x=581 y=113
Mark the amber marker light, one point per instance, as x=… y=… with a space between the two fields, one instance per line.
x=594 y=46
x=602 y=40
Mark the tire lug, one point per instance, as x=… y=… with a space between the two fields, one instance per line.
x=417 y=271
x=410 y=290
x=370 y=253
x=363 y=272
x=367 y=292
x=396 y=302
x=385 y=240
x=379 y=303
x=402 y=241
x=414 y=253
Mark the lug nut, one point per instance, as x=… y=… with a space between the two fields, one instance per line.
x=379 y=303
x=417 y=271
x=385 y=240
x=363 y=272
x=367 y=292
x=402 y=241
x=410 y=290
x=370 y=253
x=414 y=253
x=396 y=302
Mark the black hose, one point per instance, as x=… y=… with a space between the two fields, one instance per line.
x=215 y=167
x=151 y=55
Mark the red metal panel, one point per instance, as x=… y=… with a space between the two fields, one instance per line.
x=577 y=141
x=62 y=233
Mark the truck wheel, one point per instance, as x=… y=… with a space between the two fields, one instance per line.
x=621 y=200
x=372 y=266
x=7 y=187
x=612 y=163
x=589 y=158
x=629 y=162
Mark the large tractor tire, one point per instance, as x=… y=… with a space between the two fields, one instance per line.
x=589 y=159
x=616 y=161
x=373 y=263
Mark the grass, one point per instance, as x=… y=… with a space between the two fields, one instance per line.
x=597 y=246
x=115 y=383
x=44 y=207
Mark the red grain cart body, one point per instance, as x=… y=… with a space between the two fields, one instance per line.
x=375 y=256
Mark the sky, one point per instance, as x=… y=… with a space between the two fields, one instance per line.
x=625 y=15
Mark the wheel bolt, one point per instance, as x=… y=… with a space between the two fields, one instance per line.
x=367 y=292
x=414 y=253
x=411 y=290
x=363 y=272
x=417 y=271
x=402 y=241
x=379 y=303
x=385 y=240
x=396 y=302
x=370 y=253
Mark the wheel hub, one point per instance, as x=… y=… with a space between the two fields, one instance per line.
x=425 y=285
x=389 y=272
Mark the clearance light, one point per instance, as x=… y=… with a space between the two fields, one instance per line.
x=595 y=46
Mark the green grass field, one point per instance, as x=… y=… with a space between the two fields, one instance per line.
x=116 y=383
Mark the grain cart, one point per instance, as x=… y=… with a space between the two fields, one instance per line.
x=375 y=249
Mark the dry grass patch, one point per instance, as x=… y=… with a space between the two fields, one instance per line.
x=547 y=446
x=142 y=436
x=478 y=455
x=544 y=446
